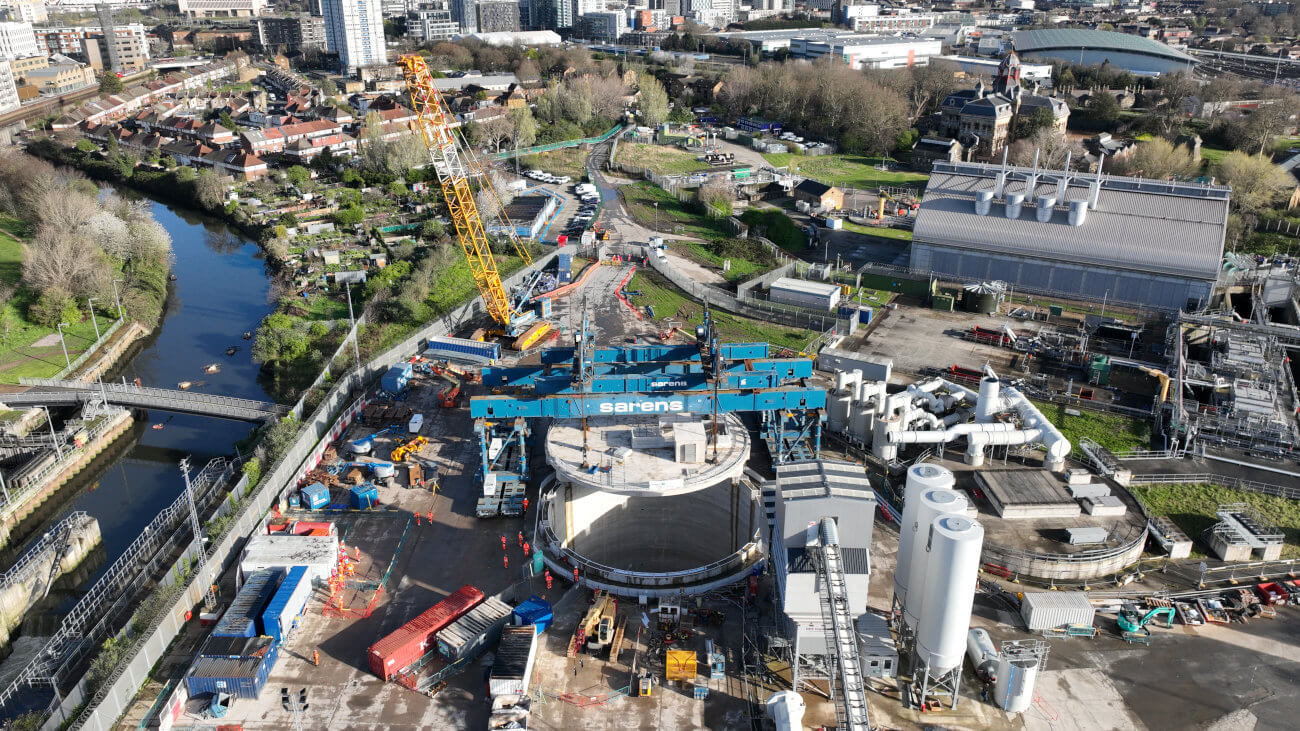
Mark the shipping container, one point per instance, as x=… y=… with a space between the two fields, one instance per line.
x=308 y=527
x=288 y=602
x=364 y=496
x=243 y=677
x=513 y=666
x=315 y=496
x=241 y=619
x=234 y=647
x=473 y=632
x=804 y=293
x=1045 y=610
x=410 y=641
x=462 y=349
x=395 y=380
x=535 y=611
x=319 y=554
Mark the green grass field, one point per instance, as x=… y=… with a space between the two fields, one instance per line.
x=662 y=160
x=1211 y=156
x=570 y=161
x=854 y=171
x=1112 y=431
x=1192 y=508
x=656 y=208
x=670 y=302
x=883 y=232
x=741 y=269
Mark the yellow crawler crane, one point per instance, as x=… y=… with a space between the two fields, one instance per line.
x=455 y=166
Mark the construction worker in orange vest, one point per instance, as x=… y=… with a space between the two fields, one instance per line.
x=503 y=541
x=505 y=561
x=429 y=517
x=521 y=538
x=548 y=579
x=315 y=657
x=525 y=505
x=417 y=518
x=575 y=574
x=526 y=548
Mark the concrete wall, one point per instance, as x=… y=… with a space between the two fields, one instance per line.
x=1067 y=567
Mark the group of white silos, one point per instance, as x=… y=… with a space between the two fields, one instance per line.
x=937 y=573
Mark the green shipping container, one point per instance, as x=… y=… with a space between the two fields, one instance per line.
x=1056 y=310
x=942 y=302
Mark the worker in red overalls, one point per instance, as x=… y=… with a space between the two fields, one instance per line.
x=548 y=579
x=526 y=548
x=575 y=574
x=503 y=541
x=525 y=505
x=521 y=538
x=505 y=561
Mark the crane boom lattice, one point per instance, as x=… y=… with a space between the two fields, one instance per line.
x=434 y=123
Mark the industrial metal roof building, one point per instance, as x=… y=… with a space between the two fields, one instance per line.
x=1089 y=47
x=1145 y=242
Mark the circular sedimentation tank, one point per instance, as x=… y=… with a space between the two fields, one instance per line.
x=655 y=509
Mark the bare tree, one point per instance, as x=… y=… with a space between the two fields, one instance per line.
x=1052 y=146
x=64 y=260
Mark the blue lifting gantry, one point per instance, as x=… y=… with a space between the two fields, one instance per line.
x=705 y=377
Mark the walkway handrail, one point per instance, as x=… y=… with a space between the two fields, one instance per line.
x=144 y=396
x=507 y=154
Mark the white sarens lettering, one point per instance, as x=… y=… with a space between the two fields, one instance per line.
x=667 y=384
x=643 y=407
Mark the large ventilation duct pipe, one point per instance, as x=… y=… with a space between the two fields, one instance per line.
x=986 y=406
x=948 y=435
x=1058 y=447
x=1078 y=212
x=847 y=379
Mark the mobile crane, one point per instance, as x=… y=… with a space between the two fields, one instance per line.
x=455 y=165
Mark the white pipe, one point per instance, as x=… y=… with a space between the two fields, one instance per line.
x=988 y=405
x=949 y=434
x=923 y=394
x=845 y=379
x=923 y=416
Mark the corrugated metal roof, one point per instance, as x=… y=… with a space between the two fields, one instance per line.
x=824 y=477
x=212 y=667
x=1143 y=225
x=1057 y=600
x=1027 y=41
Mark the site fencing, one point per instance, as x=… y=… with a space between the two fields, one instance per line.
x=90 y=352
x=117 y=691
x=1239 y=483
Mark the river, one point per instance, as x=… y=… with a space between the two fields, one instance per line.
x=220 y=292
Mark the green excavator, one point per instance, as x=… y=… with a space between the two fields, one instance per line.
x=1133 y=624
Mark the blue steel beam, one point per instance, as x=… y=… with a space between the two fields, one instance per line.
x=628 y=383
x=649 y=353
x=785 y=368
x=568 y=406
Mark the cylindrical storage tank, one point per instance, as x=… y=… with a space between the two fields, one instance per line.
x=986 y=407
x=920 y=477
x=981 y=298
x=952 y=564
x=861 y=421
x=1014 y=689
x=983 y=202
x=1045 y=205
x=1014 y=201
x=786 y=709
x=983 y=655
x=934 y=504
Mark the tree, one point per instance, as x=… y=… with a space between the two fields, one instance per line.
x=278 y=339
x=1157 y=158
x=51 y=306
x=654 y=101
x=110 y=83
x=528 y=71
x=328 y=88
x=1257 y=184
x=228 y=121
x=432 y=230
x=1029 y=125
x=1102 y=106
x=492 y=132
x=209 y=191
x=525 y=127
x=1052 y=148
x=349 y=216
x=298 y=175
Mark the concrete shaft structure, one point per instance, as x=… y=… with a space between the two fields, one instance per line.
x=651 y=515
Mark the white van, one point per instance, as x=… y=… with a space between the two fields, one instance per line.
x=417 y=422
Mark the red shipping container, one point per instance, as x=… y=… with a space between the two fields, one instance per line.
x=413 y=639
x=309 y=528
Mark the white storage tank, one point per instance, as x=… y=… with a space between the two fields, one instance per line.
x=786 y=709
x=953 y=559
x=837 y=412
x=1014 y=690
x=983 y=655
x=920 y=477
x=934 y=503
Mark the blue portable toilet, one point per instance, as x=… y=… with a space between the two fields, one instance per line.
x=315 y=496
x=364 y=496
x=394 y=381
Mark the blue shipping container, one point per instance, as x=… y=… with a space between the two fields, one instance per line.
x=544 y=308
x=364 y=496
x=287 y=603
x=315 y=496
x=441 y=346
x=864 y=315
x=240 y=620
x=240 y=677
x=394 y=381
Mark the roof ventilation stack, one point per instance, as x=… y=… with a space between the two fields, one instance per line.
x=983 y=202
x=1014 y=201
x=1045 y=205
x=1078 y=212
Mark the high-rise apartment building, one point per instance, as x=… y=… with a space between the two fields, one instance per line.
x=294 y=33
x=552 y=14
x=26 y=11
x=498 y=16
x=8 y=89
x=354 y=29
x=17 y=40
x=431 y=22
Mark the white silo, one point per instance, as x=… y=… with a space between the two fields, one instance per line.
x=933 y=504
x=1014 y=689
x=920 y=477
x=952 y=561
x=786 y=709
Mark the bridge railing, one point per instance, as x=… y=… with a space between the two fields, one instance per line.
x=15 y=498
x=158 y=395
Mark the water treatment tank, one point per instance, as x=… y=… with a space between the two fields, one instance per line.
x=920 y=477
x=933 y=504
x=952 y=563
x=786 y=709
x=986 y=408
x=1014 y=689
x=982 y=298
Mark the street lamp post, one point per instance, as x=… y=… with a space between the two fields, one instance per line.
x=118 y=298
x=90 y=305
x=53 y=435
x=64 y=343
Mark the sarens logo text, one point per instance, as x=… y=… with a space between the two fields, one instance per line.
x=643 y=407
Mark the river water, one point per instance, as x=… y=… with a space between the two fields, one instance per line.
x=220 y=292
